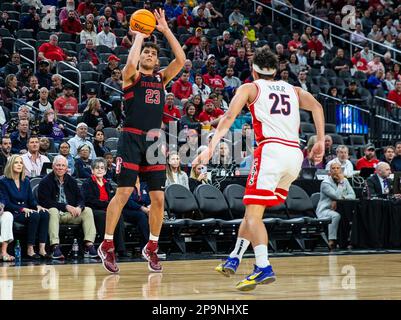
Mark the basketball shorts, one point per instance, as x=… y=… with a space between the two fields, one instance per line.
x=138 y=156
x=274 y=168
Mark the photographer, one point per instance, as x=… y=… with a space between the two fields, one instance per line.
x=198 y=176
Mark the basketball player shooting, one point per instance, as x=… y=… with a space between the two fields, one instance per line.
x=144 y=100
x=274 y=106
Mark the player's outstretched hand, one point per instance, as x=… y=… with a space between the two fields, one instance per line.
x=203 y=158
x=162 y=25
x=317 y=151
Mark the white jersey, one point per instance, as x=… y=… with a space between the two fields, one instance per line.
x=275 y=113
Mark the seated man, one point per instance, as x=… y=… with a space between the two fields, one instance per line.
x=379 y=185
x=59 y=192
x=369 y=160
x=33 y=160
x=334 y=187
x=343 y=159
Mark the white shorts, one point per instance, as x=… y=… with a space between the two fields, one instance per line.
x=275 y=166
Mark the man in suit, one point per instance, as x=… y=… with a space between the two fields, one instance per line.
x=379 y=185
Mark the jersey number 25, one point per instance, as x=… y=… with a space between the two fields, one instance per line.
x=281 y=105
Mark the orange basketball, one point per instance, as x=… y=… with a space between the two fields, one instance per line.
x=143 y=21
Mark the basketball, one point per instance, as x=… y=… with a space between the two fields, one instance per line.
x=143 y=21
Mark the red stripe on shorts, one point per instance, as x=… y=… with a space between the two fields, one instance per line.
x=160 y=167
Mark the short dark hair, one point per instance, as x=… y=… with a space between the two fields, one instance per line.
x=264 y=58
x=397 y=143
x=151 y=45
x=4 y=137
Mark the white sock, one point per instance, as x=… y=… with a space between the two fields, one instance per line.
x=153 y=238
x=240 y=247
x=108 y=236
x=261 y=255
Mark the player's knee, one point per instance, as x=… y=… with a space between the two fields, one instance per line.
x=157 y=201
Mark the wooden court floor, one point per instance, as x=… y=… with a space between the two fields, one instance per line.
x=376 y=276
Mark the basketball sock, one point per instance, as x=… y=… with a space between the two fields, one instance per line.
x=240 y=247
x=261 y=255
x=108 y=242
x=152 y=243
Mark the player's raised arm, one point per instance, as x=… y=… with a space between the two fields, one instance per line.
x=131 y=68
x=176 y=65
x=244 y=94
x=309 y=103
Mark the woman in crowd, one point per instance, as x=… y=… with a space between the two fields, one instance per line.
x=64 y=150
x=174 y=173
x=115 y=116
x=198 y=176
x=97 y=193
x=199 y=87
x=198 y=104
x=49 y=127
x=335 y=187
x=98 y=143
x=6 y=233
x=44 y=146
x=314 y=61
x=88 y=32
x=11 y=92
x=16 y=190
x=83 y=168
x=94 y=116
x=189 y=119
x=115 y=81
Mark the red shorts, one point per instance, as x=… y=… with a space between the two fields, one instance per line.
x=275 y=166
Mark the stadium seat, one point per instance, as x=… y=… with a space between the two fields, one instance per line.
x=111 y=133
x=111 y=143
x=330 y=128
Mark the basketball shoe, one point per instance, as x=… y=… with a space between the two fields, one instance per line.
x=258 y=276
x=229 y=267
x=106 y=253
x=154 y=264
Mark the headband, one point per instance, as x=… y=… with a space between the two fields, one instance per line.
x=264 y=71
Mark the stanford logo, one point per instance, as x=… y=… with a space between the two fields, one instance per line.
x=119 y=162
x=254 y=172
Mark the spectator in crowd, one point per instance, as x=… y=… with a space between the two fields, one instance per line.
x=32 y=92
x=112 y=64
x=185 y=19
x=174 y=174
x=91 y=92
x=79 y=139
x=137 y=210
x=13 y=66
x=188 y=68
x=380 y=185
x=388 y=154
x=111 y=17
x=189 y=119
x=212 y=79
x=57 y=88
x=198 y=104
x=367 y=22
x=6 y=23
x=71 y=25
x=98 y=143
x=359 y=63
x=236 y=17
x=43 y=74
x=200 y=88
x=106 y=37
x=294 y=43
x=69 y=5
x=83 y=163
x=94 y=116
x=201 y=21
x=220 y=51
x=88 y=54
x=116 y=82
x=333 y=188
x=23 y=114
x=170 y=111
x=42 y=104
x=193 y=41
x=343 y=159
x=182 y=88
x=59 y=192
x=19 y=138
x=187 y=151
x=169 y=10
x=387 y=62
x=340 y=63
x=395 y=95
x=33 y=161
x=5 y=117
x=211 y=115
x=315 y=44
x=375 y=34
x=198 y=176
x=32 y=21
x=375 y=81
x=390 y=29
x=5 y=152
x=232 y=82
x=86 y=7
x=369 y=160
x=351 y=95
x=16 y=191
x=44 y=146
x=67 y=105
x=201 y=51
x=24 y=75
x=88 y=32
x=111 y=166
x=367 y=54
x=6 y=234
x=97 y=193
x=11 y=93
x=50 y=128
x=325 y=39
x=52 y=52
x=64 y=150
x=329 y=152
x=307 y=35
x=115 y=116
x=358 y=37
x=179 y=8
x=375 y=65
x=258 y=19
x=201 y=5
x=396 y=162
x=294 y=65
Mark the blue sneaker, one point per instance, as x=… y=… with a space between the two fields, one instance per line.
x=90 y=252
x=229 y=267
x=258 y=276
